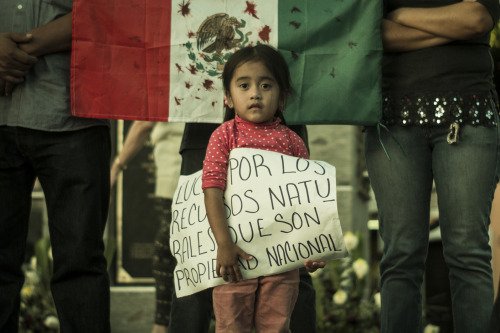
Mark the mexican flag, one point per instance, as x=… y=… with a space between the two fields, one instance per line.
x=162 y=60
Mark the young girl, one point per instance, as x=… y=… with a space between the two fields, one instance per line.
x=256 y=82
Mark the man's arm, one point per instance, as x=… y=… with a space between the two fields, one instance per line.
x=18 y=52
x=50 y=38
x=14 y=63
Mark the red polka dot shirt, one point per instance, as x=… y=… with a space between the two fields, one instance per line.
x=238 y=133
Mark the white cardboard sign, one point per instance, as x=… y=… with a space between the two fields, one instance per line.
x=282 y=210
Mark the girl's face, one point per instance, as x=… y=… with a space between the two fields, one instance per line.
x=253 y=93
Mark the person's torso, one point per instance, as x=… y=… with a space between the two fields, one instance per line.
x=42 y=101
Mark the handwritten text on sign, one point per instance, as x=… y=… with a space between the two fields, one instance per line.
x=282 y=210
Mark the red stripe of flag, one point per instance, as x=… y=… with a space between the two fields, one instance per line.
x=121 y=44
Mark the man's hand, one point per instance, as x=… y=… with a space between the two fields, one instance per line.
x=6 y=87
x=14 y=63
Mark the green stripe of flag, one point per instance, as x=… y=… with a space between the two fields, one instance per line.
x=333 y=49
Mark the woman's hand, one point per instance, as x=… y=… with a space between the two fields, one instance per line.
x=312 y=266
x=393 y=16
x=227 y=262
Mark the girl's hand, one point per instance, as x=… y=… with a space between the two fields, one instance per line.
x=227 y=252
x=312 y=266
x=227 y=262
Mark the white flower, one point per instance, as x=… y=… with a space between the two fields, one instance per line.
x=340 y=297
x=360 y=267
x=27 y=291
x=431 y=329
x=351 y=241
x=51 y=322
x=31 y=277
x=377 y=300
x=316 y=273
x=346 y=281
x=33 y=263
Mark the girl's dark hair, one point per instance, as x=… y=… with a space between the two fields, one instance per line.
x=273 y=61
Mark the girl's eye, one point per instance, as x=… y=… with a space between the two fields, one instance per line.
x=244 y=85
x=266 y=86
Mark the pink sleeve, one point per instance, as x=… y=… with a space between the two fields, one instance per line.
x=299 y=147
x=216 y=159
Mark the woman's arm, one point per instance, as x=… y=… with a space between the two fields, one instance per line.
x=133 y=144
x=463 y=20
x=400 y=38
x=227 y=252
